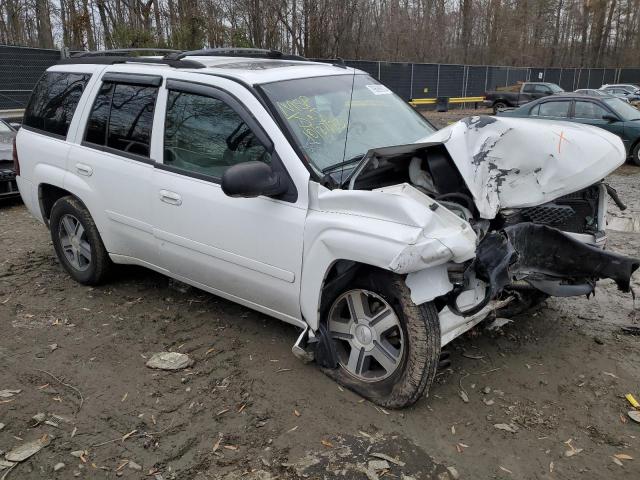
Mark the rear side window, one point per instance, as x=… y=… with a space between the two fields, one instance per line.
x=54 y=100
x=554 y=109
x=121 y=118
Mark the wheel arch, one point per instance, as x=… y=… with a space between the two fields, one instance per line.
x=323 y=282
x=632 y=147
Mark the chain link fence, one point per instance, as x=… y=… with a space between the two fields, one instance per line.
x=21 y=67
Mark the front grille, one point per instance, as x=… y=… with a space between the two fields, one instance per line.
x=549 y=214
x=576 y=212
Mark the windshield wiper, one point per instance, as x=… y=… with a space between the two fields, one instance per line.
x=354 y=159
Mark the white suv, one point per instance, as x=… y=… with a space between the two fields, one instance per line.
x=311 y=193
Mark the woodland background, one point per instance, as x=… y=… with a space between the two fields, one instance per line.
x=548 y=33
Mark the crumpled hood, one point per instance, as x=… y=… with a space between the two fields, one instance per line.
x=514 y=162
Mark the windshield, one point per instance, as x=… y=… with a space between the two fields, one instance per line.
x=316 y=111
x=623 y=109
x=4 y=128
x=555 y=88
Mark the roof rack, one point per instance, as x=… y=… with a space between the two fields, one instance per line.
x=120 y=51
x=235 y=52
x=111 y=60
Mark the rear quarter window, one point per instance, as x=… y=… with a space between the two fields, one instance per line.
x=54 y=101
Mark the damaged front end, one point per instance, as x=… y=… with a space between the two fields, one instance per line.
x=533 y=193
x=547 y=259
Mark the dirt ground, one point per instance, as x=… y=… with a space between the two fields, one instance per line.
x=248 y=409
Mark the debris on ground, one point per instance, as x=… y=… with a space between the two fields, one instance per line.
x=634 y=415
x=38 y=418
x=5 y=464
x=27 y=449
x=8 y=393
x=58 y=466
x=169 y=361
x=498 y=323
x=631 y=330
x=507 y=427
x=453 y=472
x=388 y=458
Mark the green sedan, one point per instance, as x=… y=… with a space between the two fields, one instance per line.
x=608 y=112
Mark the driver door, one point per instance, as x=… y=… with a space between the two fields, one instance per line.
x=246 y=249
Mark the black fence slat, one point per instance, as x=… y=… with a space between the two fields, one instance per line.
x=425 y=80
x=451 y=81
x=397 y=77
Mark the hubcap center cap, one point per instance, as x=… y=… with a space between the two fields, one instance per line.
x=364 y=334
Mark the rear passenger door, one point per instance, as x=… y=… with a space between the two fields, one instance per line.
x=112 y=163
x=551 y=110
x=246 y=249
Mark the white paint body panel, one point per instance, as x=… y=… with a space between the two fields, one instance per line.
x=273 y=256
x=516 y=162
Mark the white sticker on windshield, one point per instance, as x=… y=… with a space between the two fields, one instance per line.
x=379 y=89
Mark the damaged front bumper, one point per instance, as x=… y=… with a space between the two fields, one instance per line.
x=547 y=259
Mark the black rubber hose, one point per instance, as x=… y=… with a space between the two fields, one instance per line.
x=460 y=196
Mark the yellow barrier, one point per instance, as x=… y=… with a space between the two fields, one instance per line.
x=432 y=101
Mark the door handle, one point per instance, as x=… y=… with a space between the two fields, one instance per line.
x=171 y=198
x=83 y=169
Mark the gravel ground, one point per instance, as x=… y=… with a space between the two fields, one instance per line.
x=248 y=409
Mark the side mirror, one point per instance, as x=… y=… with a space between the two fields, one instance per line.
x=610 y=118
x=252 y=179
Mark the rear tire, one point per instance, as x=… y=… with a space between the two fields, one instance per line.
x=635 y=155
x=414 y=338
x=77 y=242
x=498 y=106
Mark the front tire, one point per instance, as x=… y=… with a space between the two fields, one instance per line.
x=77 y=242
x=388 y=348
x=635 y=155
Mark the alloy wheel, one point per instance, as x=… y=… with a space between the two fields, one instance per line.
x=74 y=243
x=368 y=335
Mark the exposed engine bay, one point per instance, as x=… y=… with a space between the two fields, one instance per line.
x=535 y=228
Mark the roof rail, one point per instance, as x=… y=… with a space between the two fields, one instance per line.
x=120 y=51
x=111 y=60
x=235 y=52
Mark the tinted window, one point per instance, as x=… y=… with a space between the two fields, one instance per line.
x=97 y=124
x=623 y=109
x=589 y=110
x=206 y=136
x=542 y=89
x=54 y=100
x=554 y=109
x=528 y=88
x=121 y=118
